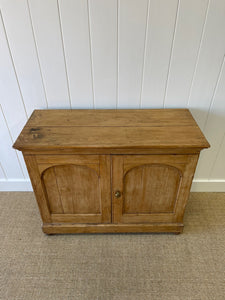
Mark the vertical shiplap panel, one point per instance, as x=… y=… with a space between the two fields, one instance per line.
x=214 y=131
x=160 y=30
x=75 y=29
x=132 y=20
x=8 y=158
x=209 y=62
x=218 y=171
x=47 y=31
x=22 y=163
x=103 y=35
x=190 y=21
x=10 y=94
x=19 y=32
x=2 y=174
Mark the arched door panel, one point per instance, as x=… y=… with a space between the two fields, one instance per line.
x=76 y=188
x=72 y=189
x=149 y=188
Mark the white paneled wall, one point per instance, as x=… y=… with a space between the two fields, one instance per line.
x=132 y=25
x=113 y=54
x=76 y=40
x=158 y=45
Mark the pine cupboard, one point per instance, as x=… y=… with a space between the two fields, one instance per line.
x=111 y=170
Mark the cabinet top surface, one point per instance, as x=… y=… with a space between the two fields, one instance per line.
x=82 y=129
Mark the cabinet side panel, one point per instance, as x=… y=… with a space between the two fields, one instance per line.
x=38 y=188
x=185 y=187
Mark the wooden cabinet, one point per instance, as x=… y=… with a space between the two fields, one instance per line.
x=111 y=170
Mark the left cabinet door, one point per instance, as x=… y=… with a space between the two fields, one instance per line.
x=71 y=188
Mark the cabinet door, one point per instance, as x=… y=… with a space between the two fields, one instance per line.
x=151 y=188
x=72 y=188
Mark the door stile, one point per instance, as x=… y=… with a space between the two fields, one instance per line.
x=105 y=182
x=117 y=186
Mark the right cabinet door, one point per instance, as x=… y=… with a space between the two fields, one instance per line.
x=151 y=188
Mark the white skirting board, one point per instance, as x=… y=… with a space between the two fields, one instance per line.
x=13 y=185
x=199 y=185
x=204 y=185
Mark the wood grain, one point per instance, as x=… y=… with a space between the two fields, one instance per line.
x=53 y=195
x=111 y=117
x=110 y=129
x=154 y=188
x=68 y=159
x=38 y=188
x=117 y=185
x=111 y=228
x=114 y=151
x=186 y=186
x=151 y=189
x=77 y=191
x=105 y=187
x=111 y=137
x=110 y=190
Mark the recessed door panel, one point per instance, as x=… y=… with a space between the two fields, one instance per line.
x=72 y=189
x=151 y=188
x=77 y=189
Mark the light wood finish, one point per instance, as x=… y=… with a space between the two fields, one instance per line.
x=111 y=228
x=111 y=170
x=113 y=151
x=68 y=159
x=145 y=192
x=153 y=188
x=111 y=117
x=74 y=185
x=38 y=188
x=142 y=129
x=77 y=192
